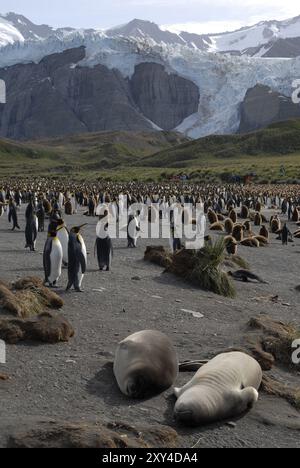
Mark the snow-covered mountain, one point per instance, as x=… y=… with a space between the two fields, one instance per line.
x=17 y=28
x=258 y=40
x=255 y=40
x=266 y=54
x=9 y=34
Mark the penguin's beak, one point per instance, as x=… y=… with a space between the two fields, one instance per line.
x=82 y=226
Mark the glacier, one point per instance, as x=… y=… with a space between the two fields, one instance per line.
x=223 y=79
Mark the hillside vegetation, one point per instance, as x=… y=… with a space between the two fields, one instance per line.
x=155 y=156
x=278 y=139
x=82 y=154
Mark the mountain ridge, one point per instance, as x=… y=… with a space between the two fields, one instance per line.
x=248 y=40
x=222 y=80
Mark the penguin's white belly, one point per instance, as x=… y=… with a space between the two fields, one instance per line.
x=83 y=248
x=56 y=257
x=63 y=237
x=36 y=223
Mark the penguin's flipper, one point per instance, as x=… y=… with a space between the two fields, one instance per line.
x=82 y=262
x=47 y=259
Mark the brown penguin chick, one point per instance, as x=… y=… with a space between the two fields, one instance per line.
x=47 y=206
x=258 y=207
x=217 y=227
x=233 y=216
x=231 y=245
x=264 y=232
x=247 y=225
x=250 y=242
x=238 y=232
x=257 y=220
x=212 y=216
x=221 y=217
x=245 y=212
x=275 y=225
x=68 y=208
x=295 y=216
x=248 y=229
x=229 y=225
x=263 y=241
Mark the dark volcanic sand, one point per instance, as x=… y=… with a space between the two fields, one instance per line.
x=72 y=381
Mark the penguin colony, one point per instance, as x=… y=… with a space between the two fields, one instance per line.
x=146 y=362
x=233 y=211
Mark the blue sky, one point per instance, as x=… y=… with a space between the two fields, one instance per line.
x=194 y=15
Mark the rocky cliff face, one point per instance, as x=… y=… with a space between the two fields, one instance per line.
x=262 y=107
x=58 y=96
x=166 y=99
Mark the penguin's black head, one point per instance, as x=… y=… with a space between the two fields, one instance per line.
x=60 y=222
x=77 y=229
x=52 y=227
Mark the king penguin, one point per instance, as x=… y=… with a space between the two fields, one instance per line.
x=63 y=236
x=103 y=244
x=31 y=228
x=12 y=215
x=52 y=258
x=77 y=259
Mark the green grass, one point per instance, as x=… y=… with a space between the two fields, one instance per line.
x=83 y=156
x=207 y=272
x=126 y=156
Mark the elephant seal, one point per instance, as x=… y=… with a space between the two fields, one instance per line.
x=223 y=388
x=146 y=363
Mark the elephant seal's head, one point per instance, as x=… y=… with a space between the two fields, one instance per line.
x=202 y=405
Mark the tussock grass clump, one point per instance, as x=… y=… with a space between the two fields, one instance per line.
x=277 y=338
x=44 y=328
x=203 y=268
x=9 y=302
x=275 y=388
x=231 y=261
x=31 y=304
x=159 y=256
x=28 y=297
x=45 y=296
